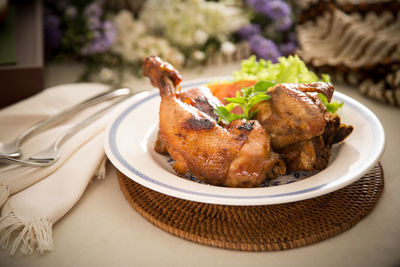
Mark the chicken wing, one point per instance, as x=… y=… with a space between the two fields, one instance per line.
x=238 y=155
x=294 y=113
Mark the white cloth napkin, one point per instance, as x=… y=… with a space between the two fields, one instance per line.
x=33 y=198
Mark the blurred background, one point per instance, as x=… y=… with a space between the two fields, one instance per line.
x=355 y=41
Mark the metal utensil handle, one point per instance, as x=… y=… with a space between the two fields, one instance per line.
x=9 y=160
x=77 y=127
x=62 y=138
x=78 y=107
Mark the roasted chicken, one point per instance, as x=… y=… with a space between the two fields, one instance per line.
x=235 y=155
x=291 y=131
x=294 y=112
x=203 y=100
x=300 y=127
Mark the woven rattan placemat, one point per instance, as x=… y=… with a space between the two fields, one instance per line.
x=258 y=228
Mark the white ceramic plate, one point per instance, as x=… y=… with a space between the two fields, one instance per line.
x=130 y=140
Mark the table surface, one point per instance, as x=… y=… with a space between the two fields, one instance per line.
x=103 y=229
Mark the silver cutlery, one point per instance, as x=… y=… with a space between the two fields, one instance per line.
x=12 y=149
x=51 y=154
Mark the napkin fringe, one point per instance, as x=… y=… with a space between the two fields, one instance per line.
x=4 y=193
x=34 y=234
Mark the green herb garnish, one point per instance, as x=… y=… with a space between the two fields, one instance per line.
x=330 y=107
x=246 y=98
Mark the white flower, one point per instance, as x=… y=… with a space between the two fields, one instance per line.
x=227 y=48
x=199 y=55
x=190 y=23
x=125 y=24
x=177 y=59
x=200 y=37
x=133 y=42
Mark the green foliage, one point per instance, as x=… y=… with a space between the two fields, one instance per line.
x=331 y=107
x=288 y=70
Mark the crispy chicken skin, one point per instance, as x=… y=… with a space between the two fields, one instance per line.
x=294 y=112
x=203 y=100
x=238 y=155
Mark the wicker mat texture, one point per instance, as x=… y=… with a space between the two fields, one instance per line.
x=258 y=228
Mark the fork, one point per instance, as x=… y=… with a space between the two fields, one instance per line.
x=51 y=154
x=13 y=150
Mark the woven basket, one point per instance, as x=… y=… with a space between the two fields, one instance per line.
x=258 y=228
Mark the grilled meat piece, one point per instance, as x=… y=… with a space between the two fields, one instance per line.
x=202 y=99
x=300 y=128
x=238 y=155
x=294 y=112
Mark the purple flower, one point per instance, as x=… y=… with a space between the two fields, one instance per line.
x=102 y=40
x=98 y=45
x=288 y=48
x=258 y=5
x=110 y=32
x=93 y=10
x=249 y=30
x=283 y=23
x=264 y=48
x=275 y=9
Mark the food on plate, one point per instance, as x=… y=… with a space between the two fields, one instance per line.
x=298 y=120
x=218 y=155
x=202 y=99
x=294 y=113
x=246 y=131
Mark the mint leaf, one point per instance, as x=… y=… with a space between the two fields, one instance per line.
x=258 y=98
x=330 y=107
x=225 y=115
x=263 y=86
x=230 y=106
x=237 y=100
x=246 y=98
